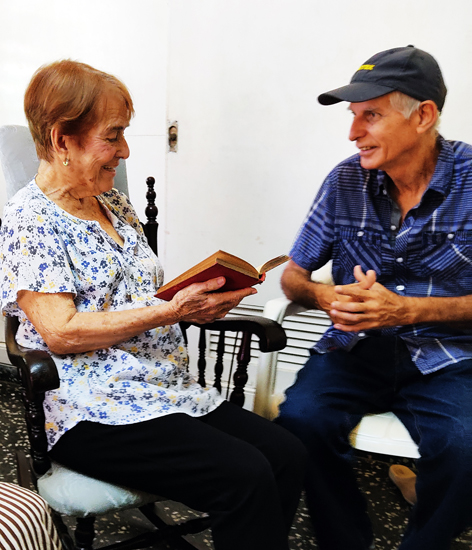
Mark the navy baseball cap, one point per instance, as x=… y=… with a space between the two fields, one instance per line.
x=407 y=70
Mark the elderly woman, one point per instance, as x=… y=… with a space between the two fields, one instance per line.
x=79 y=274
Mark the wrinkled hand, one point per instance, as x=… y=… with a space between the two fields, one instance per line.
x=370 y=305
x=199 y=304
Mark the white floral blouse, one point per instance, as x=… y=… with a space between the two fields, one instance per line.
x=45 y=249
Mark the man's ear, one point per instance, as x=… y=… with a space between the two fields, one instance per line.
x=428 y=113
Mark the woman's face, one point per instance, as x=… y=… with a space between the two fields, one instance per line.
x=93 y=162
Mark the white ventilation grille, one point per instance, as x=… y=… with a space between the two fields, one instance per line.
x=303 y=331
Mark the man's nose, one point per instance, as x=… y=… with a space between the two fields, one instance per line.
x=357 y=129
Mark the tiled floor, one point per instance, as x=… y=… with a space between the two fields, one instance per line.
x=389 y=512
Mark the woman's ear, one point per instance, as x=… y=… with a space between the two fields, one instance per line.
x=428 y=114
x=59 y=144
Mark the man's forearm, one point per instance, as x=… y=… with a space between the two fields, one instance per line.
x=378 y=308
x=455 y=310
x=298 y=287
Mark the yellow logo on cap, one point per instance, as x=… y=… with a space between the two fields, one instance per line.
x=366 y=67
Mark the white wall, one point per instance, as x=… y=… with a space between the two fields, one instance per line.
x=243 y=78
x=254 y=144
x=127 y=39
x=119 y=37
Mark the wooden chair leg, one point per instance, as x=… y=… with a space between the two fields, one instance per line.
x=23 y=469
x=85 y=533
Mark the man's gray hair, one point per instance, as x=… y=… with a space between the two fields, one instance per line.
x=407 y=105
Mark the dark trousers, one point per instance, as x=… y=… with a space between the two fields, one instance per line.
x=244 y=471
x=332 y=393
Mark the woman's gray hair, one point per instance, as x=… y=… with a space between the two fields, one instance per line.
x=407 y=105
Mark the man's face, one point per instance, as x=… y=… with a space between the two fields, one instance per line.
x=385 y=138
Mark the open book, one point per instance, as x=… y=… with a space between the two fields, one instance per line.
x=238 y=273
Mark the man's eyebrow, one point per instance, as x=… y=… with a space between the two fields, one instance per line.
x=365 y=110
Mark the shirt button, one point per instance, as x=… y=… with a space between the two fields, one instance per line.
x=393 y=227
x=360 y=233
x=450 y=236
x=361 y=334
x=400 y=287
x=399 y=260
x=384 y=191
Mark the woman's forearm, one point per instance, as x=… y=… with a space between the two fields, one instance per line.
x=65 y=330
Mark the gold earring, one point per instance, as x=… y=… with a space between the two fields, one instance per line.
x=65 y=162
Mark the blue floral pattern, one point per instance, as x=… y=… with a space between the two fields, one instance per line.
x=45 y=249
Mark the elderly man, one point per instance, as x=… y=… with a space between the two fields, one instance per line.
x=396 y=219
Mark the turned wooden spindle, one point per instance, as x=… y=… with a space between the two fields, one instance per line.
x=220 y=350
x=151 y=212
x=35 y=426
x=201 y=363
x=240 y=376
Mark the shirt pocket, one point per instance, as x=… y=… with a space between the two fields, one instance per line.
x=447 y=255
x=355 y=246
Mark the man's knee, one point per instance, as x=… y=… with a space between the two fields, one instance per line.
x=314 y=426
x=452 y=450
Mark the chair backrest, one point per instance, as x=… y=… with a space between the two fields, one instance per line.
x=20 y=163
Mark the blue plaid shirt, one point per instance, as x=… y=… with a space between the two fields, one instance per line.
x=350 y=222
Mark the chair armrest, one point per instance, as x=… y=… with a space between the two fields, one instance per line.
x=271 y=335
x=37 y=370
x=38 y=374
x=271 y=338
x=277 y=310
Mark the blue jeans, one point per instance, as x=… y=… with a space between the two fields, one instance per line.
x=330 y=396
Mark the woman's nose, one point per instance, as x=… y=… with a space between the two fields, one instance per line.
x=123 y=150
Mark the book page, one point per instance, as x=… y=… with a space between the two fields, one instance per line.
x=239 y=265
x=270 y=264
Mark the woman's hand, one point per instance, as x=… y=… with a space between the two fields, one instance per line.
x=198 y=303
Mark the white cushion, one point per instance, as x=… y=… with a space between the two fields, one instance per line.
x=20 y=164
x=17 y=157
x=384 y=433
x=74 y=494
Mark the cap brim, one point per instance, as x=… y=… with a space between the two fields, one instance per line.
x=354 y=93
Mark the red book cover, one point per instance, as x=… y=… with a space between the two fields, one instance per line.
x=237 y=272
